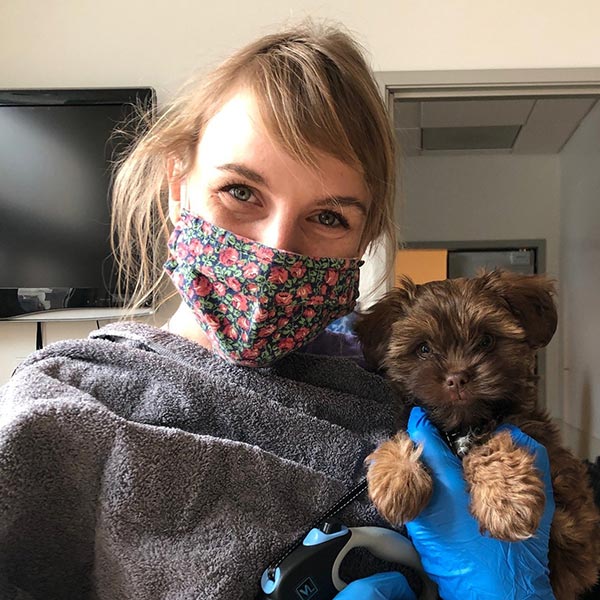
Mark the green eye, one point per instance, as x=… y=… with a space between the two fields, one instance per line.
x=240 y=192
x=329 y=218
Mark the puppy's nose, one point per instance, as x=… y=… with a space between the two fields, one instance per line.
x=457 y=380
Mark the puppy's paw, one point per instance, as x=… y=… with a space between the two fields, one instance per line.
x=399 y=485
x=507 y=491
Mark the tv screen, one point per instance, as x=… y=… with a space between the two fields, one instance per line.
x=57 y=148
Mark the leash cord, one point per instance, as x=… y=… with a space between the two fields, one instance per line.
x=344 y=501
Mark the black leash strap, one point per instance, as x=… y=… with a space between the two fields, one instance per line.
x=344 y=501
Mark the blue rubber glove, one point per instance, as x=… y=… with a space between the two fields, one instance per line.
x=465 y=564
x=382 y=586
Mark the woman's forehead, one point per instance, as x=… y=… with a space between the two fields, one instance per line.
x=237 y=137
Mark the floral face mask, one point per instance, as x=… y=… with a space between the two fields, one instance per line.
x=256 y=303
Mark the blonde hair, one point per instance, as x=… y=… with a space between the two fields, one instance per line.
x=315 y=92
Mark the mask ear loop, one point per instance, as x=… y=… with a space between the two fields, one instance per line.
x=178 y=196
x=184 y=200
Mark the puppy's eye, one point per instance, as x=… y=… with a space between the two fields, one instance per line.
x=486 y=342
x=423 y=350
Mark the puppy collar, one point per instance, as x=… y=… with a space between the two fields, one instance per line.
x=461 y=440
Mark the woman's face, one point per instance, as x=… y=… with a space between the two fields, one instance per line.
x=243 y=182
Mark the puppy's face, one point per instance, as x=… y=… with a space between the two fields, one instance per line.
x=464 y=349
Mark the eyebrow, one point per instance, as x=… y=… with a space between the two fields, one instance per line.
x=246 y=172
x=331 y=201
x=343 y=201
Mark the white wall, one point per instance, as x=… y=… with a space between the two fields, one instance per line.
x=580 y=286
x=488 y=197
x=478 y=197
x=68 y=43
x=137 y=42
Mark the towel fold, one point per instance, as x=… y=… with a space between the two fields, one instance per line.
x=153 y=469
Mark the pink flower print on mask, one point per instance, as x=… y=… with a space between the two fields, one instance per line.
x=250 y=271
x=267 y=330
x=264 y=254
x=233 y=283
x=260 y=314
x=297 y=269
x=229 y=330
x=331 y=277
x=183 y=252
x=212 y=321
x=286 y=344
x=278 y=275
x=250 y=354
x=304 y=291
x=239 y=301
x=256 y=304
x=202 y=286
x=302 y=333
x=243 y=322
x=220 y=288
x=207 y=271
x=178 y=279
x=196 y=248
x=228 y=256
x=283 y=298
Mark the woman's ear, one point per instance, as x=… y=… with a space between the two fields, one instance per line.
x=177 y=189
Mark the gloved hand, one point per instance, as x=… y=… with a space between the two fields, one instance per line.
x=466 y=564
x=382 y=586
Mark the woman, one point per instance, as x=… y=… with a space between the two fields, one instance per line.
x=180 y=462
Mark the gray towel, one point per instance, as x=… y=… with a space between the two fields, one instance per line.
x=130 y=473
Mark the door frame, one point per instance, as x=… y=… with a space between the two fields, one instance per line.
x=499 y=83
x=485 y=83
x=376 y=279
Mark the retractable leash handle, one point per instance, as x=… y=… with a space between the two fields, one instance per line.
x=311 y=571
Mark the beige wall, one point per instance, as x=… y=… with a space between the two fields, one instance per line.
x=580 y=286
x=478 y=197
x=141 y=42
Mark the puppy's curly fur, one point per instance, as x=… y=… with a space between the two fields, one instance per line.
x=464 y=350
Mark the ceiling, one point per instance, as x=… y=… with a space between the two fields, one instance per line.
x=483 y=126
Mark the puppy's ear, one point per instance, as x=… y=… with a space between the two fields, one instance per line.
x=531 y=299
x=374 y=327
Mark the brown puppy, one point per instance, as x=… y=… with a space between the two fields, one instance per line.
x=464 y=350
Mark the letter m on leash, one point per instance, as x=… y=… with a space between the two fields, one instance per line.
x=307 y=589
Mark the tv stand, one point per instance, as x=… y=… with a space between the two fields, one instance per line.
x=80 y=314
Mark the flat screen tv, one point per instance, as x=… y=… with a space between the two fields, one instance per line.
x=57 y=149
